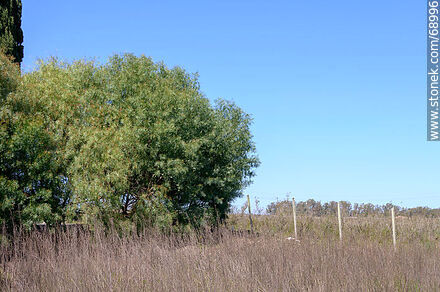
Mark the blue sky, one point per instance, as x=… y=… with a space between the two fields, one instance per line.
x=337 y=89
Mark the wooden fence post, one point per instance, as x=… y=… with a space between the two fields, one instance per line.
x=339 y=221
x=393 y=223
x=250 y=214
x=294 y=217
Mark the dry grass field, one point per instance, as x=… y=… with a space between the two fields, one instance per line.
x=228 y=261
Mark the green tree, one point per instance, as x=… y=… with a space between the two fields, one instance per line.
x=158 y=138
x=11 y=34
x=135 y=141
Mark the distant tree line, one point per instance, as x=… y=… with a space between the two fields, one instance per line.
x=316 y=208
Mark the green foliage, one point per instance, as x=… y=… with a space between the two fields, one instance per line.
x=11 y=34
x=9 y=77
x=31 y=184
x=132 y=140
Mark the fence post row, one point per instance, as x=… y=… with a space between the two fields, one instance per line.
x=393 y=222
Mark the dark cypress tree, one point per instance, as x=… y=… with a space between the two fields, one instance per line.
x=11 y=35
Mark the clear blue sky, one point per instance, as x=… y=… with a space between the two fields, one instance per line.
x=337 y=89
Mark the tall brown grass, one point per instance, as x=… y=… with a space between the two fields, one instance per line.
x=229 y=261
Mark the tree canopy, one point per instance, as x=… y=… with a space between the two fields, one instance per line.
x=129 y=140
x=11 y=34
